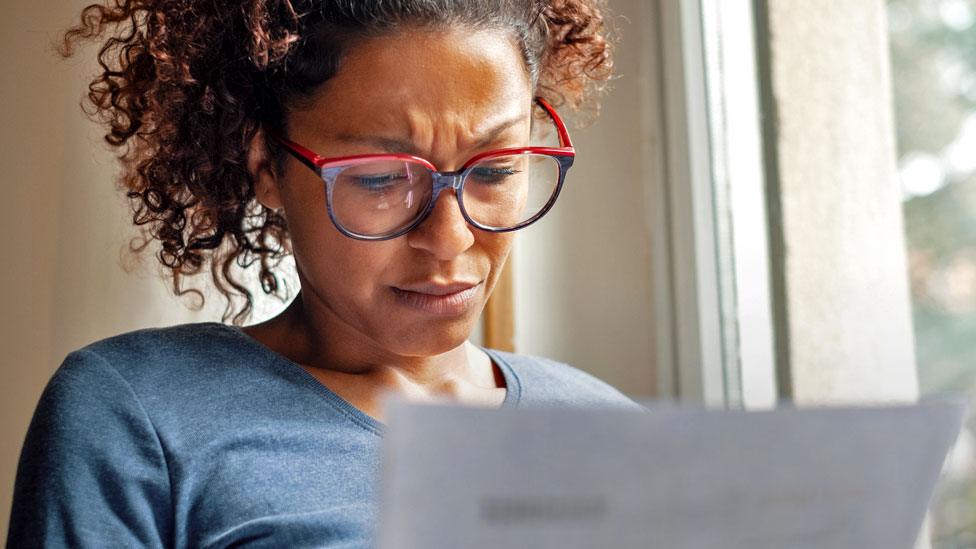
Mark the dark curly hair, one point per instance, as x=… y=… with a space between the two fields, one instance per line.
x=186 y=84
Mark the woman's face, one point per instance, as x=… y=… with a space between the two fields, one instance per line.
x=442 y=96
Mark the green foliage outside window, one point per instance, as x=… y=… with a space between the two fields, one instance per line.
x=933 y=59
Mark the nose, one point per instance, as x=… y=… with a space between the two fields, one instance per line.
x=444 y=234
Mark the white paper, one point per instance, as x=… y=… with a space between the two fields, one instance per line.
x=565 y=478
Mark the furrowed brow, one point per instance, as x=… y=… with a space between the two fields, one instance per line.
x=393 y=145
x=385 y=144
x=494 y=132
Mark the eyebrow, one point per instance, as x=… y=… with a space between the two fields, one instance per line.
x=393 y=145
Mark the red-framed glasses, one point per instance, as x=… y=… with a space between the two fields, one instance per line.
x=383 y=196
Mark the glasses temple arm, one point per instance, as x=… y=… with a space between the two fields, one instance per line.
x=564 y=140
x=302 y=154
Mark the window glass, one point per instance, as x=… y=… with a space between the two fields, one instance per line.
x=933 y=47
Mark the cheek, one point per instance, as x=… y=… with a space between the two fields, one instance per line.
x=328 y=259
x=497 y=246
x=303 y=198
x=350 y=277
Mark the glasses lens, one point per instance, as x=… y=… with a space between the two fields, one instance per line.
x=505 y=191
x=378 y=198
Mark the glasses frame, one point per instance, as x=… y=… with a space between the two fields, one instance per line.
x=328 y=169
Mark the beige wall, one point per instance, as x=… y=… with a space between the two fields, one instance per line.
x=848 y=321
x=583 y=274
x=30 y=157
x=63 y=223
x=840 y=253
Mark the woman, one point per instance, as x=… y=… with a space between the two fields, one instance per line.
x=384 y=144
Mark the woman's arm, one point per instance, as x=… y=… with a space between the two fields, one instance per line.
x=92 y=472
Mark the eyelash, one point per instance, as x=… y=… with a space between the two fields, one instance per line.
x=379 y=182
x=496 y=173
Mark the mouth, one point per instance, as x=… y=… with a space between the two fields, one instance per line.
x=442 y=299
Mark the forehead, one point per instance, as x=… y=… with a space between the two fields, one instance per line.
x=474 y=78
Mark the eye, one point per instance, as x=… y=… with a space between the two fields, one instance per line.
x=379 y=182
x=493 y=174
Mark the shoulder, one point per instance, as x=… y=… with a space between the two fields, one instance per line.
x=155 y=357
x=149 y=385
x=167 y=371
x=120 y=365
x=186 y=342
x=91 y=434
x=546 y=381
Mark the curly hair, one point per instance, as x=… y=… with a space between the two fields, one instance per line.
x=185 y=85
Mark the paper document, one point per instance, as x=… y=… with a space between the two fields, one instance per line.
x=568 y=478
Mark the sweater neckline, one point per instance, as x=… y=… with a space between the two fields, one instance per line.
x=513 y=385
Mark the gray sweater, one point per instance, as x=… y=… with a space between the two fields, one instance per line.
x=198 y=436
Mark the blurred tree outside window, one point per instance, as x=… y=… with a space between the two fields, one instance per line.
x=933 y=56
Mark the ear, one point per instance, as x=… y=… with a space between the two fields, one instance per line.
x=259 y=165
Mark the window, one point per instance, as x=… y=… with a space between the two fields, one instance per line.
x=933 y=53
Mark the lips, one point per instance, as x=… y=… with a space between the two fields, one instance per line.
x=451 y=298
x=437 y=289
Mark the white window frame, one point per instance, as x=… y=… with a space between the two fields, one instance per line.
x=709 y=228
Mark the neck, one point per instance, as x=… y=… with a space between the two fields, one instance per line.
x=309 y=333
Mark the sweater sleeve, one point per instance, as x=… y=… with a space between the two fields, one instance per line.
x=92 y=472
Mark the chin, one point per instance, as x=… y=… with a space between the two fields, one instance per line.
x=432 y=340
